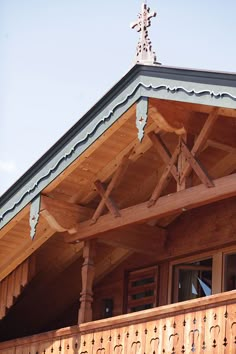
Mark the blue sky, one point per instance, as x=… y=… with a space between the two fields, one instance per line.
x=58 y=57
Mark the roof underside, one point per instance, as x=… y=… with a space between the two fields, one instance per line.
x=104 y=144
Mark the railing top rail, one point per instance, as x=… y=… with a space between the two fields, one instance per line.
x=128 y=319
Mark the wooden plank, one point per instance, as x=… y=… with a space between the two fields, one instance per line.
x=106 y=135
x=17 y=283
x=225 y=166
x=109 y=169
x=24 y=252
x=10 y=285
x=25 y=272
x=194 y=197
x=17 y=219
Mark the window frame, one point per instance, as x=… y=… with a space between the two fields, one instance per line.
x=138 y=274
x=217 y=268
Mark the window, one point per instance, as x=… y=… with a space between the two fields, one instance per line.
x=142 y=289
x=192 y=280
x=230 y=272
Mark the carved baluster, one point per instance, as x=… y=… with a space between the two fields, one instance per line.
x=86 y=299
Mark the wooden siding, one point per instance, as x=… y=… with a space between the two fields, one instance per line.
x=12 y=286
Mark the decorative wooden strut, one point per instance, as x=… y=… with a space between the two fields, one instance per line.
x=144 y=53
x=34 y=215
x=167 y=205
x=141 y=116
x=88 y=272
x=195 y=165
x=165 y=178
x=105 y=193
x=11 y=287
x=201 y=140
x=61 y=215
x=187 y=181
x=180 y=173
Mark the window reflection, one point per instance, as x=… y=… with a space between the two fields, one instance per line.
x=192 y=280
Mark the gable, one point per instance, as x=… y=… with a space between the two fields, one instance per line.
x=207 y=88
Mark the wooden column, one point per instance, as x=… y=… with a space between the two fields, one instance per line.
x=88 y=270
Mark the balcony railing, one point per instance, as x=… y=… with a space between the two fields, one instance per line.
x=206 y=325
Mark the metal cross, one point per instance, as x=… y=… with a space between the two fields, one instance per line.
x=145 y=54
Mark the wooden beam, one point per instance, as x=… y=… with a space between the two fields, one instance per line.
x=62 y=216
x=221 y=146
x=224 y=166
x=195 y=166
x=106 y=200
x=165 y=178
x=201 y=139
x=135 y=237
x=164 y=153
x=193 y=197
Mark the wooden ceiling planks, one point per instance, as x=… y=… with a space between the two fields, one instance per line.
x=100 y=161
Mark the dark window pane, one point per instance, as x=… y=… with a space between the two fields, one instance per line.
x=230 y=272
x=144 y=281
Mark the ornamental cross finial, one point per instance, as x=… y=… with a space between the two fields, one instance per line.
x=145 y=54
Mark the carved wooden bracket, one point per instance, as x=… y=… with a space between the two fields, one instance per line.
x=34 y=215
x=181 y=172
x=63 y=216
x=141 y=116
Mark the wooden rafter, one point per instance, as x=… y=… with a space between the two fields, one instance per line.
x=190 y=198
x=105 y=194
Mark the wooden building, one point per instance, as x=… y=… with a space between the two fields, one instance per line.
x=122 y=237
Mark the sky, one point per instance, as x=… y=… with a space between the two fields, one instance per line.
x=59 y=57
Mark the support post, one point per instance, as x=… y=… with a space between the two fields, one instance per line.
x=88 y=270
